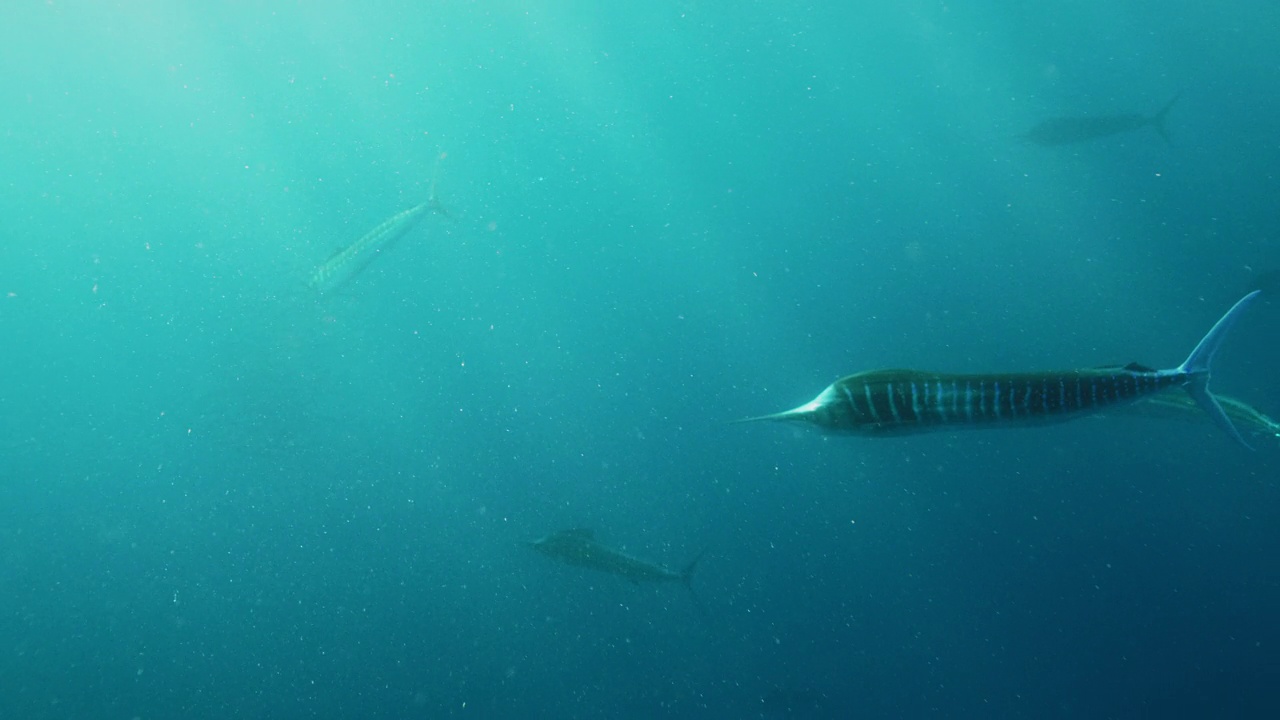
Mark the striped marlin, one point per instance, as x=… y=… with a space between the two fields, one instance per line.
x=899 y=402
x=348 y=262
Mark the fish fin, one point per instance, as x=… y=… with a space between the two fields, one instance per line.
x=583 y=533
x=433 y=202
x=1198 y=388
x=1131 y=367
x=1197 y=365
x=686 y=578
x=1158 y=120
x=436 y=206
x=686 y=573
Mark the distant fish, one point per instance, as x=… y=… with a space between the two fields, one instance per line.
x=1070 y=130
x=350 y=261
x=579 y=547
x=898 y=402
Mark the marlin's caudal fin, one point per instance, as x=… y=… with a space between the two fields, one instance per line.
x=432 y=201
x=686 y=574
x=686 y=577
x=1158 y=119
x=1196 y=366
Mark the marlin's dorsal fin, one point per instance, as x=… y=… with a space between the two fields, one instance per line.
x=580 y=533
x=1131 y=367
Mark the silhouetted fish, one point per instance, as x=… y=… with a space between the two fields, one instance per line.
x=1069 y=130
x=579 y=547
x=348 y=262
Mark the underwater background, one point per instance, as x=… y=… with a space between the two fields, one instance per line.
x=223 y=494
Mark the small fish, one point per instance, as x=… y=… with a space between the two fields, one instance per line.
x=579 y=547
x=899 y=402
x=1071 y=130
x=350 y=261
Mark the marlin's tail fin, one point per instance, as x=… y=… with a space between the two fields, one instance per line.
x=436 y=206
x=1157 y=120
x=1196 y=366
x=432 y=201
x=686 y=578
x=686 y=574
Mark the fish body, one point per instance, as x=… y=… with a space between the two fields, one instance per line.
x=900 y=402
x=579 y=547
x=348 y=262
x=1071 y=130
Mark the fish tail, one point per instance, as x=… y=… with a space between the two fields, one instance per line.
x=686 y=578
x=1158 y=120
x=433 y=202
x=1197 y=366
x=686 y=574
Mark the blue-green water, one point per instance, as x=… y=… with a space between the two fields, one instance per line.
x=222 y=496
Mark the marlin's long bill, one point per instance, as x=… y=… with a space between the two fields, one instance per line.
x=899 y=402
x=351 y=260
